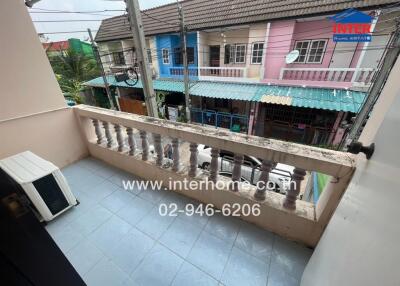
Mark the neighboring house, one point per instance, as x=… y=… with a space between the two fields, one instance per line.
x=245 y=47
x=57 y=48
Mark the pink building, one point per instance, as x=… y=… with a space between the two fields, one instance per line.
x=322 y=62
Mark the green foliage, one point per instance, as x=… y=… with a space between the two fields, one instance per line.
x=72 y=69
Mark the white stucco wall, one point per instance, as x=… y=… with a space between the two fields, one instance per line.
x=360 y=246
x=33 y=113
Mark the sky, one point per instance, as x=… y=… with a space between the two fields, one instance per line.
x=79 y=5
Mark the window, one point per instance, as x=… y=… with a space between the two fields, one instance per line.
x=149 y=55
x=118 y=58
x=316 y=51
x=178 y=57
x=235 y=53
x=257 y=53
x=165 y=56
x=227 y=54
x=240 y=54
x=190 y=55
x=232 y=54
x=311 y=51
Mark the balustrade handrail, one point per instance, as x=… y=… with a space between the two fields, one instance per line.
x=181 y=68
x=328 y=69
x=223 y=68
x=304 y=157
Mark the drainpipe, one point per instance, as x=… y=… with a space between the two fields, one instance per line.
x=262 y=72
x=363 y=51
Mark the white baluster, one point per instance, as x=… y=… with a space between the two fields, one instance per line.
x=158 y=149
x=145 y=145
x=266 y=168
x=237 y=171
x=107 y=132
x=214 y=165
x=120 y=139
x=294 y=190
x=193 y=159
x=97 y=130
x=131 y=141
x=175 y=155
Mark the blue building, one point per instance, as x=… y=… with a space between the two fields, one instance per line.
x=169 y=55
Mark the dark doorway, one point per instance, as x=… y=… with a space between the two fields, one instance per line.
x=214 y=56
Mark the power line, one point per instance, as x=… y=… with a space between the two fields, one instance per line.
x=62 y=21
x=66 y=11
x=161 y=21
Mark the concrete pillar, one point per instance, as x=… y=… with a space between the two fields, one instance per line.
x=97 y=130
x=145 y=145
x=131 y=141
x=107 y=132
x=120 y=139
x=294 y=190
x=193 y=159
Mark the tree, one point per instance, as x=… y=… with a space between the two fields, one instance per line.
x=72 y=69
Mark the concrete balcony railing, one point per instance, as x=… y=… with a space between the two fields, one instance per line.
x=360 y=77
x=179 y=72
x=222 y=73
x=110 y=138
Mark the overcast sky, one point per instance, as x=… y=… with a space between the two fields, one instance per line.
x=79 y=5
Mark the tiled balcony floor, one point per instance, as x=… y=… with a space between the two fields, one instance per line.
x=115 y=237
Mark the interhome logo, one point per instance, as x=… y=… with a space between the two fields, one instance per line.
x=352 y=25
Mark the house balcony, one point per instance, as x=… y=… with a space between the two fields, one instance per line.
x=116 y=235
x=237 y=74
x=328 y=77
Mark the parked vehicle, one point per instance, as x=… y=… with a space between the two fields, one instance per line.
x=251 y=167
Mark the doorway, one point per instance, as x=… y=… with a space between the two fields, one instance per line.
x=214 y=59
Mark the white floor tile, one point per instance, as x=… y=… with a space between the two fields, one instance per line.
x=158 y=268
x=191 y=275
x=210 y=254
x=244 y=269
x=180 y=237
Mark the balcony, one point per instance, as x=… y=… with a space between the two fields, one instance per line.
x=117 y=236
x=328 y=77
x=224 y=73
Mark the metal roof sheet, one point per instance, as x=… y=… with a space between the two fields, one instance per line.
x=206 y=14
x=319 y=98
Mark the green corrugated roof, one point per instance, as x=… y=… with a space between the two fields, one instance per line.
x=319 y=98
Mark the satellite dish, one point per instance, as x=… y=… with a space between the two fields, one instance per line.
x=292 y=56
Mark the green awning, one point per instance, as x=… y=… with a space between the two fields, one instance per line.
x=308 y=97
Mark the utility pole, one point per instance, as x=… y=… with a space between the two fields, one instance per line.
x=100 y=64
x=380 y=80
x=135 y=20
x=185 y=62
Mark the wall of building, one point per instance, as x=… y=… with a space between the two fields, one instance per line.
x=171 y=42
x=279 y=44
x=360 y=244
x=222 y=38
x=257 y=34
x=33 y=112
x=381 y=36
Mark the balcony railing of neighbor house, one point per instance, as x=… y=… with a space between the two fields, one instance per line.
x=233 y=122
x=110 y=138
x=223 y=71
x=360 y=76
x=179 y=71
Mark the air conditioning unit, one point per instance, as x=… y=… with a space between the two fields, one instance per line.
x=42 y=182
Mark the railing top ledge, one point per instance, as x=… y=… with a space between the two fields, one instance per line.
x=310 y=158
